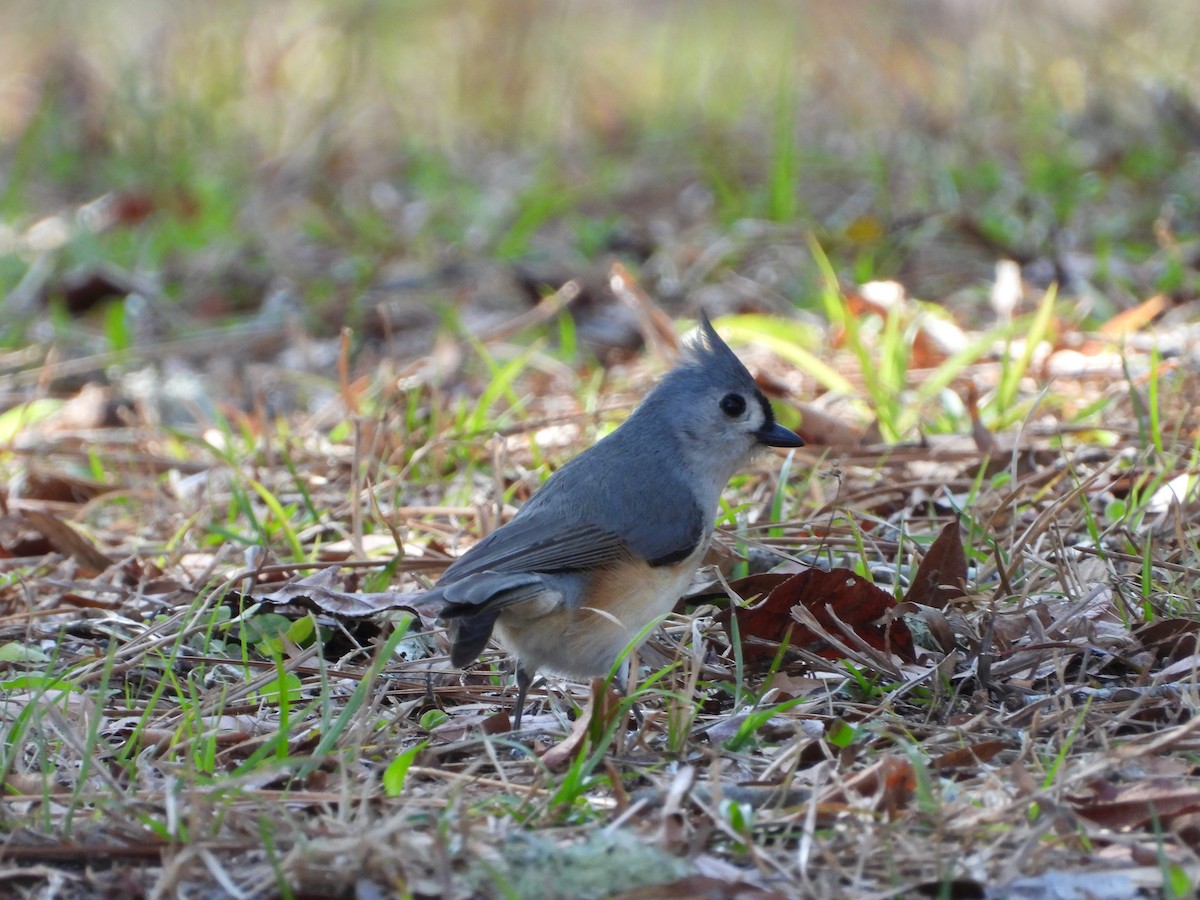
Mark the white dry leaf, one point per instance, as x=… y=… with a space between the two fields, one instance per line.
x=1181 y=489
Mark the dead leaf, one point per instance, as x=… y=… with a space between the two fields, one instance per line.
x=889 y=784
x=722 y=556
x=603 y=706
x=656 y=326
x=59 y=487
x=1170 y=640
x=316 y=591
x=788 y=686
x=819 y=427
x=19 y=538
x=673 y=831
x=1186 y=668
x=936 y=621
x=87 y=287
x=760 y=585
x=749 y=588
x=942 y=573
x=925 y=353
x=462 y=726
x=838 y=597
x=1137 y=805
x=68 y=541
x=31 y=783
x=832 y=599
x=1134 y=319
x=969 y=756
x=95 y=406
x=497 y=723
x=936 y=336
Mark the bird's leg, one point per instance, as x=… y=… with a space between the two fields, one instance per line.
x=621 y=683
x=621 y=678
x=524 y=680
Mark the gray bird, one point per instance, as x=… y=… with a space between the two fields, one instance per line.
x=612 y=539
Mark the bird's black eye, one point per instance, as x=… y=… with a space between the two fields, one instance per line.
x=733 y=405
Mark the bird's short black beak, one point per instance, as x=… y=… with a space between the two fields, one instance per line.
x=775 y=435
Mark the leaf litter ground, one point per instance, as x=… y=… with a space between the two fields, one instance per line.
x=210 y=681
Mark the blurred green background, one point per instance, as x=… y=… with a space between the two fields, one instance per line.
x=340 y=144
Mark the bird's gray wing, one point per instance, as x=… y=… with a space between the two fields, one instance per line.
x=540 y=543
x=549 y=541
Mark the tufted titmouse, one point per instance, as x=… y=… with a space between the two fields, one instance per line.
x=612 y=539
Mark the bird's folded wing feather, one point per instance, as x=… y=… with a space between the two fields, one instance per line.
x=553 y=543
x=540 y=544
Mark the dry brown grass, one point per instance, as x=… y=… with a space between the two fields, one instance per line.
x=1045 y=726
x=207 y=686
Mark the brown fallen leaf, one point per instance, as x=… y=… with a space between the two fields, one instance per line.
x=1157 y=800
x=835 y=600
x=889 y=786
x=927 y=352
x=750 y=589
x=95 y=406
x=840 y=597
x=1183 y=669
x=760 y=585
x=788 y=686
x=31 y=783
x=60 y=487
x=935 y=335
x=603 y=706
x=820 y=428
x=497 y=723
x=1134 y=319
x=1170 y=640
x=19 y=538
x=85 y=288
x=969 y=756
x=942 y=574
x=935 y=620
x=68 y=541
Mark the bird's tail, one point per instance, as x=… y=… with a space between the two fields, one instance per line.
x=471 y=606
